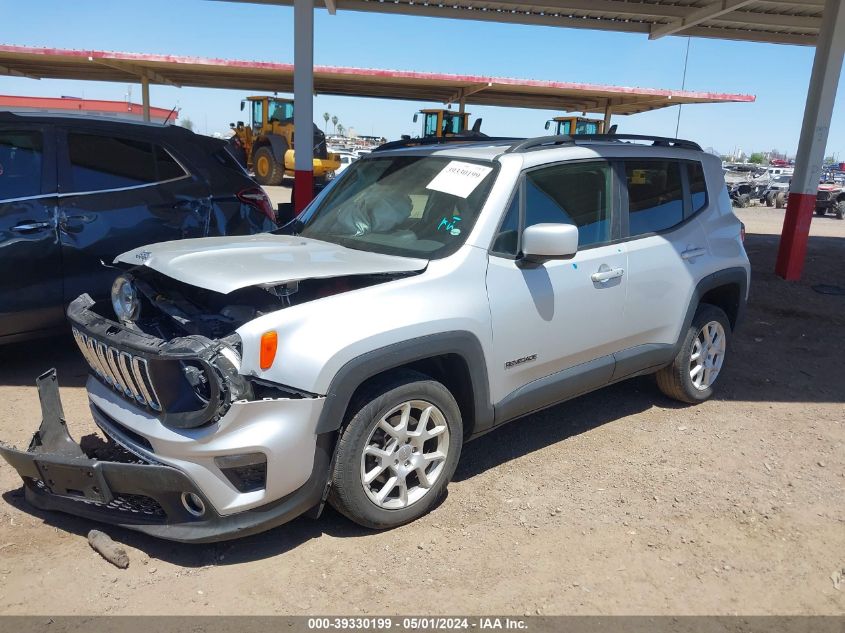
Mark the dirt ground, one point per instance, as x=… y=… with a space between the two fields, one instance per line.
x=619 y=502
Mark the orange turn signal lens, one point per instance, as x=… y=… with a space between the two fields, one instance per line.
x=269 y=343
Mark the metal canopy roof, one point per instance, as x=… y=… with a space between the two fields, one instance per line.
x=336 y=80
x=776 y=21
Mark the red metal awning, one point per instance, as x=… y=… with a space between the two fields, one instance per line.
x=205 y=72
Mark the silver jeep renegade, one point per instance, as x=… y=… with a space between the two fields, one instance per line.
x=428 y=295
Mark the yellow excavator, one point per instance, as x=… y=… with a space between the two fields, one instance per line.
x=569 y=125
x=266 y=144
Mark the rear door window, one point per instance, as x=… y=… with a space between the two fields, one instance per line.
x=655 y=195
x=100 y=163
x=21 y=156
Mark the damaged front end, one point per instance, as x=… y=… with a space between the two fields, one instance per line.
x=195 y=451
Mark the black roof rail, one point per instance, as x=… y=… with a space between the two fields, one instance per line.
x=542 y=142
x=442 y=140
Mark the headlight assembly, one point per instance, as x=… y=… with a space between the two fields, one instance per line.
x=125 y=299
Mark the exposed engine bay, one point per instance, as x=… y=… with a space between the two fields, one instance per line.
x=170 y=308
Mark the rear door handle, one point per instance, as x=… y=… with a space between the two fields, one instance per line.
x=603 y=276
x=692 y=253
x=29 y=227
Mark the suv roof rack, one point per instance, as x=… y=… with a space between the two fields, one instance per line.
x=543 y=142
x=442 y=140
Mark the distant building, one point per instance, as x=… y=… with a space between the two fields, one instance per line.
x=95 y=107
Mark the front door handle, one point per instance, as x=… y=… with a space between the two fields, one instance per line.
x=603 y=276
x=692 y=253
x=29 y=227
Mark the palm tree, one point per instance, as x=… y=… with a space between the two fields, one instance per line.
x=326 y=117
x=340 y=129
x=334 y=123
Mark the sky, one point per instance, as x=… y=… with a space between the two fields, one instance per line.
x=778 y=75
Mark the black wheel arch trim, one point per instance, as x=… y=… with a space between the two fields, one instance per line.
x=728 y=276
x=358 y=370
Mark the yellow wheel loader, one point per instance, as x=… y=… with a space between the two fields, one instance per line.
x=266 y=144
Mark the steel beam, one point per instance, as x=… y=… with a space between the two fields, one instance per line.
x=827 y=66
x=303 y=98
x=145 y=98
x=693 y=18
x=5 y=70
x=608 y=112
x=132 y=69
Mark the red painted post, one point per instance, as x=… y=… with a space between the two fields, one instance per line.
x=303 y=97
x=792 y=250
x=818 y=110
x=303 y=189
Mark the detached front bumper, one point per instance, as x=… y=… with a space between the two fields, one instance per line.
x=110 y=484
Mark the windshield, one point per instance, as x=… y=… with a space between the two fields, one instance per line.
x=412 y=206
x=280 y=110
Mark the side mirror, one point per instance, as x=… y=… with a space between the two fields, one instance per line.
x=415 y=117
x=549 y=241
x=232 y=125
x=243 y=104
x=547 y=124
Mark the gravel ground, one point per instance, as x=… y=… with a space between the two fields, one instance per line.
x=619 y=502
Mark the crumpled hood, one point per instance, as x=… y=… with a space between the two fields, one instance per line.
x=225 y=264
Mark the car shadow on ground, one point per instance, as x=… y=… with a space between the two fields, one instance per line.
x=512 y=441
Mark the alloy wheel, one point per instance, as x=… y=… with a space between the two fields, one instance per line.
x=708 y=354
x=405 y=454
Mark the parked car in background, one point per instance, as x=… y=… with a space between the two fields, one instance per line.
x=831 y=198
x=776 y=191
x=346 y=159
x=76 y=191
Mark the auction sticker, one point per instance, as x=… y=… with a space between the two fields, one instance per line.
x=459 y=178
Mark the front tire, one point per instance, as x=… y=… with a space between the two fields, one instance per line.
x=840 y=209
x=398 y=453
x=267 y=170
x=692 y=375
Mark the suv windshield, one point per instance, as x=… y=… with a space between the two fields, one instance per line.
x=413 y=206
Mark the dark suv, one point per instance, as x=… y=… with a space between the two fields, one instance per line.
x=77 y=191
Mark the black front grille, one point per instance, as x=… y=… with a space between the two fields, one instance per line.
x=129 y=375
x=823 y=196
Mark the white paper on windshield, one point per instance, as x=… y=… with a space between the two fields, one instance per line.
x=459 y=178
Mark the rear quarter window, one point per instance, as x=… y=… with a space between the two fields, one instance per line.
x=99 y=162
x=697 y=187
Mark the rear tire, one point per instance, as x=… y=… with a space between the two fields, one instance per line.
x=388 y=470
x=780 y=200
x=268 y=171
x=694 y=371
